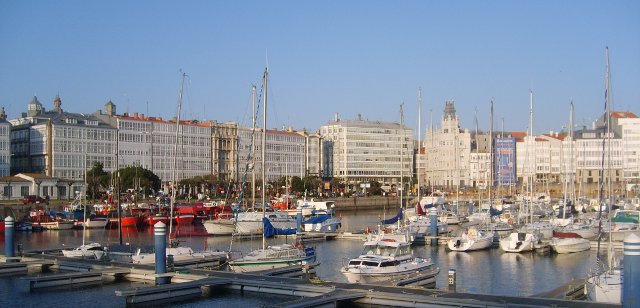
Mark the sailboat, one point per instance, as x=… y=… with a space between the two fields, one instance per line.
x=91 y=250
x=605 y=283
x=270 y=257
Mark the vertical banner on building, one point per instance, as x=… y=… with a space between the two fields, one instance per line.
x=505 y=161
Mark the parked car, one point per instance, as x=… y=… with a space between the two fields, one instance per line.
x=32 y=199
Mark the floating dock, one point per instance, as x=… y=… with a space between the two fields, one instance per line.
x=197 y=283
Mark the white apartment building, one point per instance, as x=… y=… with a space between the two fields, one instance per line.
x=627 y=125
x=150 y=142
x=448 y=153
x=358 y=151
x=285 y=154
x=60 y=144
x=5 y=145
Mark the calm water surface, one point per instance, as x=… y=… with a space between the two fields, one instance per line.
x=490 y=271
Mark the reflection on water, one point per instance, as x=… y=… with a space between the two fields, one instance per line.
x=489 y=271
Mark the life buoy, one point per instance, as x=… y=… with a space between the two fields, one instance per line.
x=510 y=221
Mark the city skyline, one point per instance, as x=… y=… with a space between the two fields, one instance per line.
x=347 y=58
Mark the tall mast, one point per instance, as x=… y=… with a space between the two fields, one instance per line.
x=253 y=147
x=419 y=137
x=175 y=155
x=401 y=154
x=608 y=114
x=264 y=144
x=84 y=196
x=532 y=170
x=491 y=156
x=571 y=169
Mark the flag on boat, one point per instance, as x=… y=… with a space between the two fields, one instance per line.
x=419 y=210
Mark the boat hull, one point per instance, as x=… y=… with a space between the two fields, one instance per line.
x=219 y=227
x=264 y=265
x=56 y=225
x=95 y=223
x=518 y=242
x=569 y=245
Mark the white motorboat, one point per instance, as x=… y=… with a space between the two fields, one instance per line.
x=385 y=260
x=569 y=244
x=518 y=242
x=471 y=239
x=92 y=250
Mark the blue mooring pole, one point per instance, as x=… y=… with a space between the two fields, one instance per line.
x=160 y=237
x=631 y=272
x=433 y=228
x=9 y=249
x=299 y=219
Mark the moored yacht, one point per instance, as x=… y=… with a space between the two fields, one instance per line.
x=385 y=260
x=518 y=242
x=471 y=239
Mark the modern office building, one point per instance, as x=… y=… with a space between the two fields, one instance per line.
x=357 y=151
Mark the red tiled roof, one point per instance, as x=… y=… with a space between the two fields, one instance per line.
x=623 y=115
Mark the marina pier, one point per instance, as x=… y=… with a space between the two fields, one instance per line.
x=303 y=292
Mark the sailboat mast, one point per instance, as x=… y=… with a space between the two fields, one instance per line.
x=571 y=169
x=608 y=114
x=401 y=156
x=253 y=147
x=532 y=170
x=175 y=155
x=264 y=144
x=84 y=196
x=491 y=156
x=419 y=136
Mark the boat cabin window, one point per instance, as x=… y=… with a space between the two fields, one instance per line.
x=370 y=263
x=390 y=263
x=355 y=262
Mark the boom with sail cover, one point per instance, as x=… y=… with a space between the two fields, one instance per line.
x=269 y=230
x=393 y=219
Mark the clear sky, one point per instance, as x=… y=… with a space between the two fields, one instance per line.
x=324 y=57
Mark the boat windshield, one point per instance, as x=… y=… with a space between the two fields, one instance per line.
x=379 y=251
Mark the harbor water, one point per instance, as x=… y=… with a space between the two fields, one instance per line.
x=488 y=272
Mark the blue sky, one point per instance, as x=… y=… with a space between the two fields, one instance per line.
x=324 y=57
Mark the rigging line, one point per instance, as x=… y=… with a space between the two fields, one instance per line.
x=250 y=156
